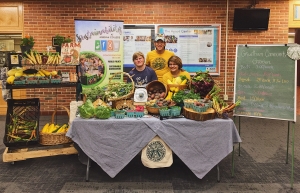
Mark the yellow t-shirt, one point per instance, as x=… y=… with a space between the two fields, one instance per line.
x=159 y=62
x=170 y=76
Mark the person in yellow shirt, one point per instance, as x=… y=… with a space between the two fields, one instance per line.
x=158 y=59
x=175 y=66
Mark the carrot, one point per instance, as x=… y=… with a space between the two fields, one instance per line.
x=232 y=106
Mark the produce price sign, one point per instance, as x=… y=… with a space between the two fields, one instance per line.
x=102 y=47
x=265 y=82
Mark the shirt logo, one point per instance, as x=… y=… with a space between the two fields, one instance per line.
x=158 y=64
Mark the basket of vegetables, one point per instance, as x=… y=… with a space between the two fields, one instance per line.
x=54 y=133
x=120 y=90
x=178 y=83
x=156 y=90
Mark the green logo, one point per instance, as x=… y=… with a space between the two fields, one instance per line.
x=158 y=64
x=155 y=151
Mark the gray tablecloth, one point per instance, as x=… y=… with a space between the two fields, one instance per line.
x=113 y=143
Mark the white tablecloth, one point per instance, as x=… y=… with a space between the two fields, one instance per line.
x=113 y=143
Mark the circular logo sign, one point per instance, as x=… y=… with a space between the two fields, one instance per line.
x=156 y=151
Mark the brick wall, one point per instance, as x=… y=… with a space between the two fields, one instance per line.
x=45 y=19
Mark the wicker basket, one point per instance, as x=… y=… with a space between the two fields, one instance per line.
x=157 y=85
x=129 y=95
x=55 y=138
x=121 y=104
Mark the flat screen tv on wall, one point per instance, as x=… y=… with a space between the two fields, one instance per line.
x=251 y=19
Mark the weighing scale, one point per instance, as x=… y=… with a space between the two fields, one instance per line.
x=140 y=95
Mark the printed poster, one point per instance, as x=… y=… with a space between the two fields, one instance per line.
x=102 y=48
x=197 y=46
x=70 y=53
x=135 y=40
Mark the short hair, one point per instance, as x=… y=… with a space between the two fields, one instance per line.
x=176 y=60
x=137 y=54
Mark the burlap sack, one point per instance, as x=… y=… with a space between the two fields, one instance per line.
x=157 y=154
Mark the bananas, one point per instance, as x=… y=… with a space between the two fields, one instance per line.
x=55 y=128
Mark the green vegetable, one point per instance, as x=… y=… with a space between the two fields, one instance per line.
x=183 y=77
x=102 y=112
x=184 y=94
x=87 y=110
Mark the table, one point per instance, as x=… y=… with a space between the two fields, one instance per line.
x=113 y=143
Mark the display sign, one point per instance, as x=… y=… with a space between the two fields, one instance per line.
x=102 y=47
x=265 y=82
x=70 y=53
x=135 y=40
x=197 y=45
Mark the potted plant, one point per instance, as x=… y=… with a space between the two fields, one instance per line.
x=26 y=44
x=59 y=40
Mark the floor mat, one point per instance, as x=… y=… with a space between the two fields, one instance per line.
x=124 y=187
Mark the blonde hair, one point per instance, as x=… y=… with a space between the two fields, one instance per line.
x=137 y=54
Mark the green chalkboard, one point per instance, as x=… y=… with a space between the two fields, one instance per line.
x=265 y=82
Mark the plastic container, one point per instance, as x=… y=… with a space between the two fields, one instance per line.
x=139 y=114
x=130 y=113
x=175 y=111
x=25 y=109
x=119 y=114
x=164 y=112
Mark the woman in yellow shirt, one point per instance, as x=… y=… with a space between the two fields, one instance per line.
x=175 y=66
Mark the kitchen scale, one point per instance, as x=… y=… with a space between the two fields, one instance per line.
x=140 y=95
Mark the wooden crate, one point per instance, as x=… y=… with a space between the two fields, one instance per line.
x=18 y=154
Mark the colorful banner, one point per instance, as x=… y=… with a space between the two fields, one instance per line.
x=102 y=48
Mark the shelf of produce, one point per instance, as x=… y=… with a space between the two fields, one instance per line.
x=48 y=85
x=18 y=154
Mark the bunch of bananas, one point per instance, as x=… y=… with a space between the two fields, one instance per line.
x=55 y=128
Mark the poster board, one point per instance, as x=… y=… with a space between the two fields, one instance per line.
x=265 y=82
x=102 y=48
x=198 y=46
x=137 y=37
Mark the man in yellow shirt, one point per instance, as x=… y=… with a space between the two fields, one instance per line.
x=158 y=59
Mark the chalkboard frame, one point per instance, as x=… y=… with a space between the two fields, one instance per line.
x=237 y=97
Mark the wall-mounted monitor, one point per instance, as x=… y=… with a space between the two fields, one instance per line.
x=251 y=19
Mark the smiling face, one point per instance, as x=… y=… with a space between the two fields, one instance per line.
x=175 y=64
x=160 y=45
x=174 y=68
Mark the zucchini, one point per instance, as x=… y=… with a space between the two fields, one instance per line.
x=30 y=71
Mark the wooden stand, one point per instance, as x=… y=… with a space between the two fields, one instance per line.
x=191 y=114
x=18 y=154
